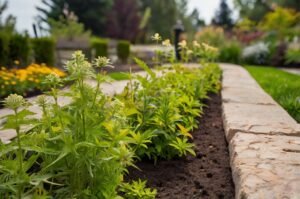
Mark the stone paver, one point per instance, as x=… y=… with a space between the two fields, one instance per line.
x=247 y=108
x=265 y=166
x=257 y=119
x=264 y=141
x=295 y=71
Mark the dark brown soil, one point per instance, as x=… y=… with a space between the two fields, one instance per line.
x=207 y=175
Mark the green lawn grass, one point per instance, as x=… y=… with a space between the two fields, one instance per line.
x=119 y=76
x=282 y=86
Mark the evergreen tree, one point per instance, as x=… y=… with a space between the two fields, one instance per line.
x=223 y=16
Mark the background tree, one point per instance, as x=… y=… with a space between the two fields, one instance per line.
x=123 y=20
x=281 y=20
x=163 y=16
x=165 y=13
x=223 y=16
x=293 y=4
x=92 y=13
x=254 y=10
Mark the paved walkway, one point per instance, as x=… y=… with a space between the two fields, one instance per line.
x=292 y=70
x=264 y=141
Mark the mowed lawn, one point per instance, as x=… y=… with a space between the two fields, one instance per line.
x=282 y=86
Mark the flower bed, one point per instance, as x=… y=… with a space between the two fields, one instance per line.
x=27 y=80
x=83 y=149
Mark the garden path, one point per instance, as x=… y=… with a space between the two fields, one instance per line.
x=292 y=70
x=264 y=140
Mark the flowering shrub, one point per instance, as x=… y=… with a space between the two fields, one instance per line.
x=24 y=81
x=256 y=54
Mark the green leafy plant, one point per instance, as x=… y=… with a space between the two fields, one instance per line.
x=231 y=52
x=137 y=190
x=81 y=150
x=164 y=108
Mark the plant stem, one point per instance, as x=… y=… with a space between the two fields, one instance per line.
x=20 y=155
x=96 y=93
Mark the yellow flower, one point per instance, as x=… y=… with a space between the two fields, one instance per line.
x=13 y=83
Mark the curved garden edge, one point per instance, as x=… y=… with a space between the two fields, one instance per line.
x=264 y=141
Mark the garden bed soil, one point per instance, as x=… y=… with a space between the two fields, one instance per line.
x=208 y=175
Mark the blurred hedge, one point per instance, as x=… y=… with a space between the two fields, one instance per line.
x=44 y=50
x=123 y=50
x=4 y=49
x=19 y=50
x=100 y=46
x=230 y=52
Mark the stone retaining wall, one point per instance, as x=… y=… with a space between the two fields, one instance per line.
x=264 y=141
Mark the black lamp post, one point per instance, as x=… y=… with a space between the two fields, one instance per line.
x=178 y=29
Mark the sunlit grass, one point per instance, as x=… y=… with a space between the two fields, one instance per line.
x=119 y=76
x=282 y=86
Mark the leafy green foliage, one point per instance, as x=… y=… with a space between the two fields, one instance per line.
x=164 y=108
x=137 y=190
x=292 y=56
x=280 y=20
x=211 y=35
x=230 y=52
x=100 y=46
x=83 y=149
x=44 y=50
x=80 y=151
x=282 y=86
x=123 y=50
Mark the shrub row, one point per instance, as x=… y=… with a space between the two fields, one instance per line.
x=20 y=50
x=100 y=48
